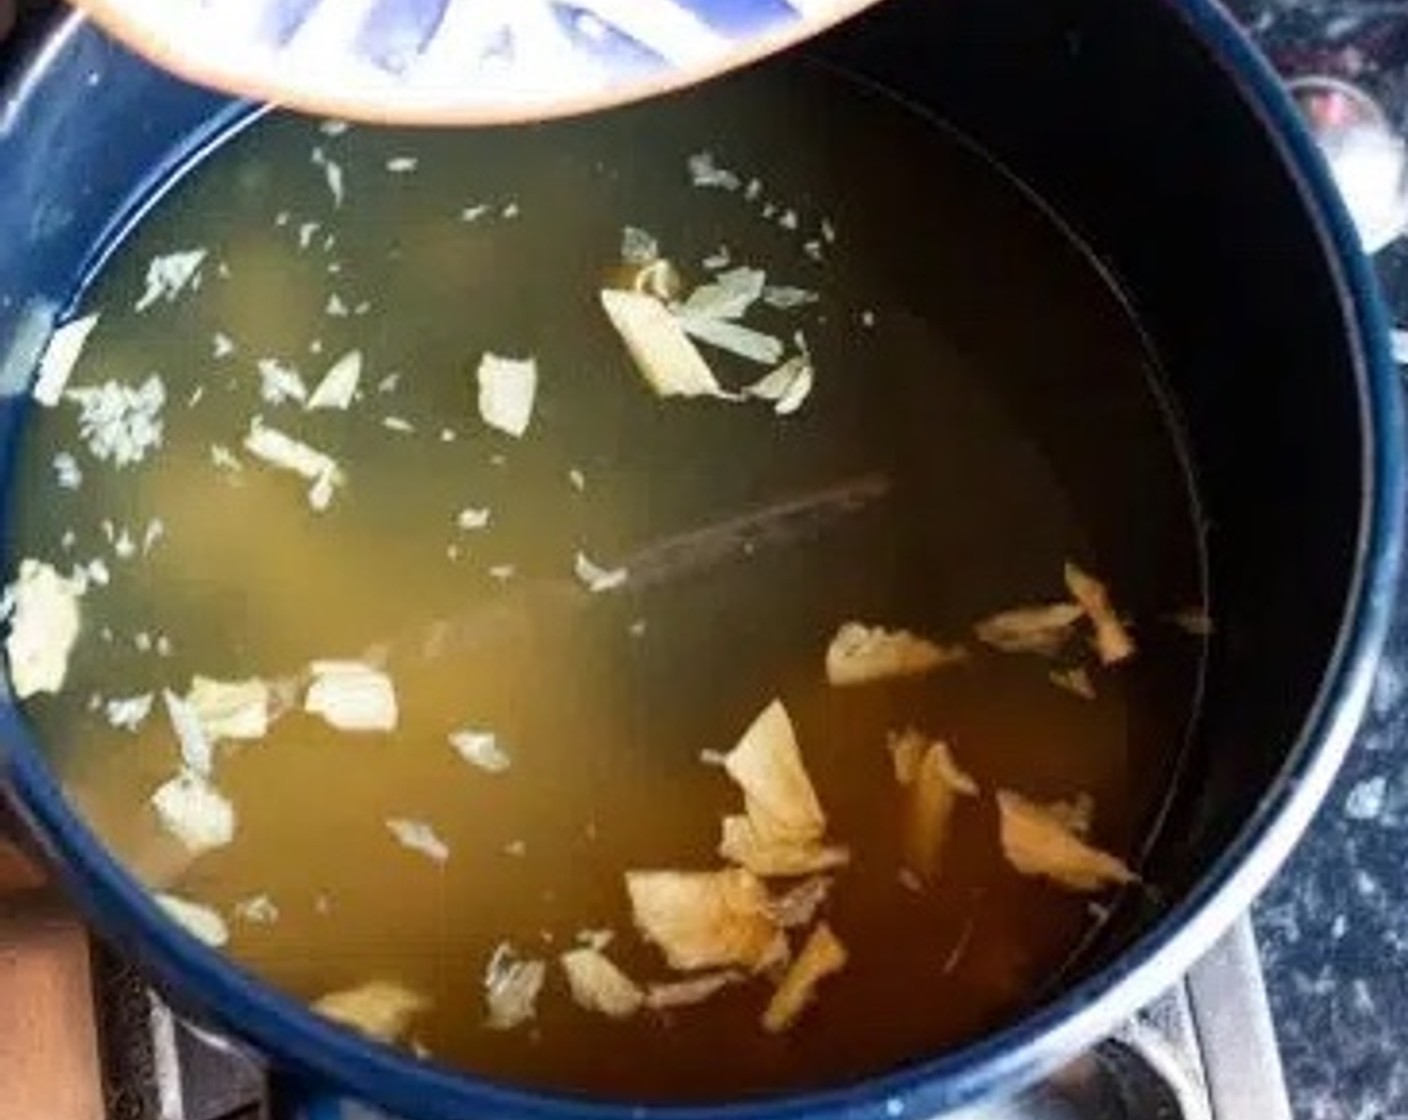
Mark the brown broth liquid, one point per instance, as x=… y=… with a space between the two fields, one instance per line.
x=966 y=350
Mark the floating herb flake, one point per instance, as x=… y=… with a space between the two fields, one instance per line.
x=170 y=275
x=418 y=837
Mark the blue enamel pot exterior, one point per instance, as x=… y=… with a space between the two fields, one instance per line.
x=1154 y=130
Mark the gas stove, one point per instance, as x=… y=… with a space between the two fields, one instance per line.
x=82 y=1037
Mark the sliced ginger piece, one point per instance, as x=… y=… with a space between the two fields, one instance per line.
x=1039 y=629
x=798 y=906
x=860 y=654
x=744 y=844
x=767 y=764
x=230 y=709
x=1040 y=841
x=599 y=985
x=1075 y=680
x=937 y=785
x=1075 y=814
x=821 y=956
x=686 y=993
x=511 y=987
x=907 y=751
x=1112 y=640
x=707 y=919
x=379 y=1009
x=666 y=357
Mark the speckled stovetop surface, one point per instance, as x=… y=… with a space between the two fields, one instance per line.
x=1333 y=928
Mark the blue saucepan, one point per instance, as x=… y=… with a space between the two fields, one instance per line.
x=1159 y=136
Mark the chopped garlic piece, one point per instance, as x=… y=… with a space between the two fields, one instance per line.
x=195 y=812
x=258 y=910
x=379 y=1009
x=735 y=338
x=1112 y=640
x=506 y=390
x=230 y=709
x=280 y=450
x=471 y=518
x=1075 y=680
x=338 y=388
x=352 y=696
x=197 y=751
x=706 y=919
x=332 y=174
x=120 y=423
x=1038 y=843
x=787 y=299
x=168 y=276
x=787 y=387
x=67 y=473
x=129 y=712
x=767 y=765
x=279 y=382
x=597 y=578
x=481 y=749
x=798 y=906
x=511 y=987
x=1041 y=629
x=728 y=296
x=418 y=837
x=687 y=993
x=44 y=625
x=658 y=346
x=938 y=784
x=743 y=844
x=638 y=247
x=201 y=922
x=60 y=356
x=860 y=654
x=704 y=172
x=599 y=985
x=821 y=956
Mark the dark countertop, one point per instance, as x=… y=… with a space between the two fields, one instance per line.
x=1333 y=928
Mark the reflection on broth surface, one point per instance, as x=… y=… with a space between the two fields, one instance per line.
x=503 y=570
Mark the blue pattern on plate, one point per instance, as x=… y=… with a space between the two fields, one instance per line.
x=462 y=59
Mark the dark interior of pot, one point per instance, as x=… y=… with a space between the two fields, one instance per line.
x=1216 y=462
x=1121 y=126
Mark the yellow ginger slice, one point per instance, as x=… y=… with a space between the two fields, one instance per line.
x=666 y=357
x=821 y=956
x=861 y=654
x=1040 y=841
x=44 y=625
x=379 y=1009
x=1039 y=629
x=1112 y=640
x=599 y=985
x=743 y=844
x=936 y=786
x=767 y=764
x=707 y=919
x=686 y=993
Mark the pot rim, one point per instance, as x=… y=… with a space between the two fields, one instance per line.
x=1014 y=1054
